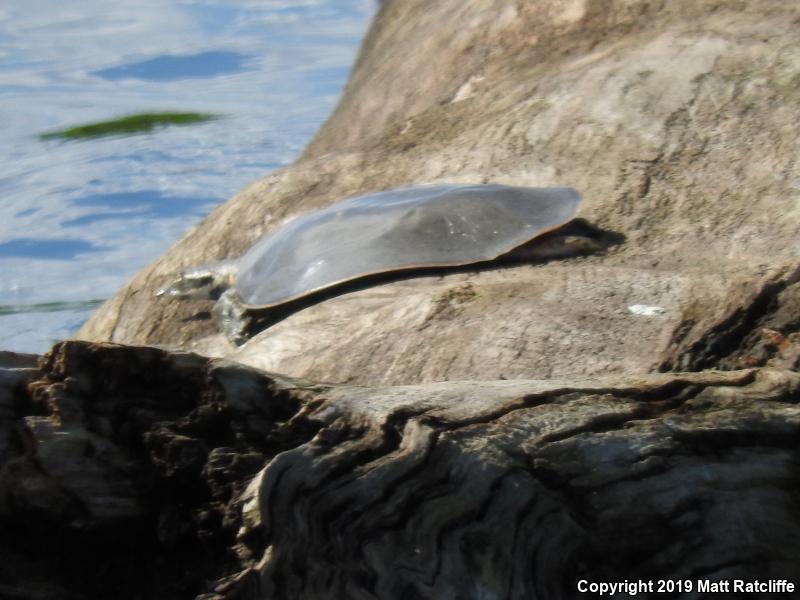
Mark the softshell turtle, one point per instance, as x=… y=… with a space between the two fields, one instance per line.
x=386 y=235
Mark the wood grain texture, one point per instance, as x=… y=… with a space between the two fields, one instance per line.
x=224 y=482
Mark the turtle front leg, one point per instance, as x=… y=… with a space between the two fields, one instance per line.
x=240 y=322
x=233 y=318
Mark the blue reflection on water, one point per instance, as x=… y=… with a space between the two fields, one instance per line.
x=78 y=220
x=170 y=67
x=150 y=204
x=64 y=249
x=217 y=17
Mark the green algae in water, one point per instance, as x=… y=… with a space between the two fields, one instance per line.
x=141 y=123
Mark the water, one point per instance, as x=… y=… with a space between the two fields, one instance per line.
x=78 y=218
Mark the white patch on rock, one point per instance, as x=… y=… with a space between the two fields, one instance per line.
x=645 y=310
x=467 y=90
x=571 y=12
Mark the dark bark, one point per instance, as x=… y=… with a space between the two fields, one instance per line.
x=136 y=473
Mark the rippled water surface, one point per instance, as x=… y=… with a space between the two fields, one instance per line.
x=78 y=218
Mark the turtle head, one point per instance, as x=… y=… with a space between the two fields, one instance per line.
x=202 y=283
x=576 y=238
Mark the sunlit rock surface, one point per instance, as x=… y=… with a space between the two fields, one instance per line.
x=676 y=121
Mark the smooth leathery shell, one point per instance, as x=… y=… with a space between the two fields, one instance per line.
x=408 y=228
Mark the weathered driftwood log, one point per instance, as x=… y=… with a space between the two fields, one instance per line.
x=139 y=473
x=131 y=472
